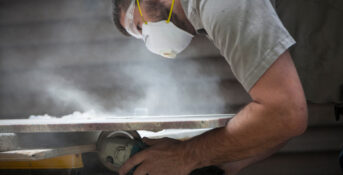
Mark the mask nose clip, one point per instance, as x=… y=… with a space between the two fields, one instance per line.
x=170 y=54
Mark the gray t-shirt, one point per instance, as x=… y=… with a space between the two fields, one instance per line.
x=248 y=33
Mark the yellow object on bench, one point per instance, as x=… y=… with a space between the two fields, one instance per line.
x=73 y=161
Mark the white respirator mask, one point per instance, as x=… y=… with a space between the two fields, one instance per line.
x=163 y=38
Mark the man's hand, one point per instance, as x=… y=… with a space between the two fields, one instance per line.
x=164 y=156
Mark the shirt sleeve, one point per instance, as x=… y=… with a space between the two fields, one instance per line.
x=248 y=34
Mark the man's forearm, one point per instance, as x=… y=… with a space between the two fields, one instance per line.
x=235 y=167
x=253 y=131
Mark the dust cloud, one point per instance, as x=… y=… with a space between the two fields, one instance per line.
x=85 y=64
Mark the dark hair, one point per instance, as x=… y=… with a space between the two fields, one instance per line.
x=118 y=7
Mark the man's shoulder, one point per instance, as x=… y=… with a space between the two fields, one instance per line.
x=248 y=34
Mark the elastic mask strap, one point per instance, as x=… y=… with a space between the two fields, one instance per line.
x=170 y=12
x=140 y=12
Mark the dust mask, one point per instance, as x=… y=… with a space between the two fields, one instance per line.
x=163 y=38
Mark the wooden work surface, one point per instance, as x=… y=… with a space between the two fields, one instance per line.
x=39 y=154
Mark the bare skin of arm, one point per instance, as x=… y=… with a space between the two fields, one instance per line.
x=233 y=168
x=278 y=112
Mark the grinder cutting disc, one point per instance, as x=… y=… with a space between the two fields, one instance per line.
x=114 y=148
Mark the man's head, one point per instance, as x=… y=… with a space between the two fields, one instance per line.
x=153 y=11
x=147 y=20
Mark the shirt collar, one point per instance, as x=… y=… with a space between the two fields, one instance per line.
x=190 y=7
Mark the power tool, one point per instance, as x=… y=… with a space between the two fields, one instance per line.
x=115 y=148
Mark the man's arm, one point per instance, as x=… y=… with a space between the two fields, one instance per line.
x=278 y=112
x=233 y=168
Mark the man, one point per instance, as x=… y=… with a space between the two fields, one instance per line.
x=255 y=43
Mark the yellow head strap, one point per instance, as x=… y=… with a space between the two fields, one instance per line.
x=140 y=12
x=170 y=12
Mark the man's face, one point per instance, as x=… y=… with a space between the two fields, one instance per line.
x=152 y=11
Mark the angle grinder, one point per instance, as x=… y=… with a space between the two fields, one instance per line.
x=115 y=148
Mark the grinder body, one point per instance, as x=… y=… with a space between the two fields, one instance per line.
x=116 y=148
